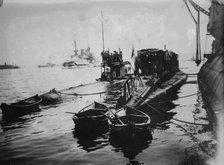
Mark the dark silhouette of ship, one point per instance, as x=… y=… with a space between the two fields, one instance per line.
x=8 y=66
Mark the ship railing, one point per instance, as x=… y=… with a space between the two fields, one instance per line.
x=130 y=86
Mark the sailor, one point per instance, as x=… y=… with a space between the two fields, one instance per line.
x=115 y=56
x=120 y=56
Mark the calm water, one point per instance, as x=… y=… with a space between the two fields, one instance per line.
x=48 y=136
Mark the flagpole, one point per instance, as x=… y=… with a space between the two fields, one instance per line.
x=119 y=46
x=102 y=29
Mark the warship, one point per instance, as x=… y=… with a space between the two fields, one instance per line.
x=83 y=59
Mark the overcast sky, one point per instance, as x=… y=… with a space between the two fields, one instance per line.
x=33 y=30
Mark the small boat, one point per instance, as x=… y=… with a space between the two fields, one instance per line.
x=50 y=97
x=91 y=117
x=79 y=63
x=48 y=65
x=130 y=125
x=20 y=108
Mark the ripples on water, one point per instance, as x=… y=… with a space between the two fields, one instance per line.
x=49 y=136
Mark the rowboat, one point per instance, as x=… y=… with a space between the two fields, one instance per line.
x=91 y=117
x=50 y=97
x=20 y=108
x=132 y=124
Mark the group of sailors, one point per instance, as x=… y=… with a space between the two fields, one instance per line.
x=110 y=58
x=111 y=62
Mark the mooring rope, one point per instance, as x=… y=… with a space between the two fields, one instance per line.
x=178 y=98
x=82 y=94
x=172 y=117
x=189 y=95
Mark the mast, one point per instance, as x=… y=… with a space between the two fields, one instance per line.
x=102 y=29
x=76 y=51
x=197 y=22
x=119 y=49
x=198 y=48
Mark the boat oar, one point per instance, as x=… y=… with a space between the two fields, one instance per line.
x=86 y=107
x=115 y=115
x=71 y=113
x=107 y=116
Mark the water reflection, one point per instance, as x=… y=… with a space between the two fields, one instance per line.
x=113 y=92
x=135 y=163
x=13 y=125
x=15 y=115
x=91 y=141
x=131 y=147
x=159 y=111
x=18 y=122
x=199 y=116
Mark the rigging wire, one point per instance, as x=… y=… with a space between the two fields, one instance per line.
x=189 y=95
x=206 y=40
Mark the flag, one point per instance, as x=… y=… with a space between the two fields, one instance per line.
x=133 y=58
x=133 y=53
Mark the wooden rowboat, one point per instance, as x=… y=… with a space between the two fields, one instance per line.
x=20 y=108
x=132 y=124
x=91 y=118
x=50 y=97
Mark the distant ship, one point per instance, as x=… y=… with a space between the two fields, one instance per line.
x=49 y=64
x=84 y=59
x=7 y=66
